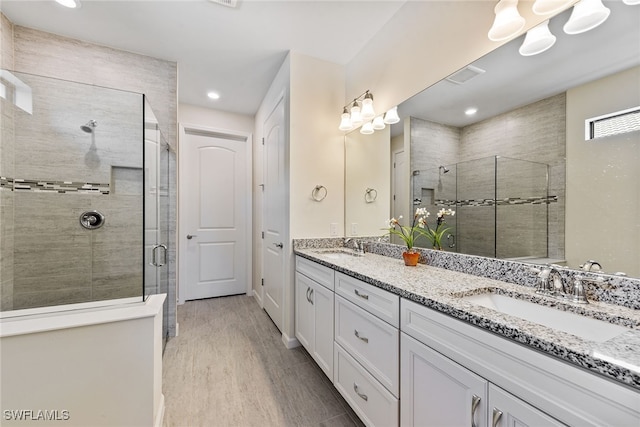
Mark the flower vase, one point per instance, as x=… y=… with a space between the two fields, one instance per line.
x=411 y=258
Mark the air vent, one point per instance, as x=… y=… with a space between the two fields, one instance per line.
x=228 y=3
x=613 y=124
x=464 y=75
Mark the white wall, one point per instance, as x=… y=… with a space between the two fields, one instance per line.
x=209 y=117
x=603 y=202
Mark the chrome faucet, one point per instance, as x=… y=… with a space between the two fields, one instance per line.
x=550 y=283
x=591 y=265
x=358 y=247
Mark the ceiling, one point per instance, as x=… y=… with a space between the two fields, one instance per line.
x=233 y=51
x=512 y=80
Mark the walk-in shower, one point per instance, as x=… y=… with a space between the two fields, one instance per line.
x=80 y=223
x=501 y=205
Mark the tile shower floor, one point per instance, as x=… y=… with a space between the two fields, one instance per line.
x=229 y=368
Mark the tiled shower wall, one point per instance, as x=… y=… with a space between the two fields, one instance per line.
x=46 y=54
x=535 y=132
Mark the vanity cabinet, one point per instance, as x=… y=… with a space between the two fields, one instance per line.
x=437 y=391
x=367 y=352
x=446 y=363
x=314 y=312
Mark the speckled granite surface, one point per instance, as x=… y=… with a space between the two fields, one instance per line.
x=441 y=289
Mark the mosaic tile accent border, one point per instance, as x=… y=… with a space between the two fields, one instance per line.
x=62 y=187
x=500 y=202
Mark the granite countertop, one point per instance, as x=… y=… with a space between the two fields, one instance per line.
x=443 y=290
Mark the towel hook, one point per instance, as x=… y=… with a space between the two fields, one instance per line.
x=317 y=194
x=370 y=195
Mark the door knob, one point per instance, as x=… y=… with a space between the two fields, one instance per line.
x=279 y=245
x=191 y=236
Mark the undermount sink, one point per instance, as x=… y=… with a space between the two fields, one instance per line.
x=338 y=253
x=582 y=326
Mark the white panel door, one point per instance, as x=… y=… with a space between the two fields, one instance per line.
x=509 y=411
x=275 y=211
x=213 y=215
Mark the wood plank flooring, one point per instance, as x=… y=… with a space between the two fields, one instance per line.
x=229 y=368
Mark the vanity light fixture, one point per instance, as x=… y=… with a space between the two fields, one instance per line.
x=378 y=123
x=357 y=112
x=367 y=128
x=537 y=40
x=508 y=21
x=631 y=2
x=586 y=15
x=391 y=116
x=71 y=4
x=547 y=7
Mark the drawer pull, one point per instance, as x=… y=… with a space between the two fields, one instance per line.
x=362 y=396
x=497 y=414
x=363 y=296
x=475 y=401
x=362 y=338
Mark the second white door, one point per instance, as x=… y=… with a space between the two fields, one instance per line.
x=213 y=214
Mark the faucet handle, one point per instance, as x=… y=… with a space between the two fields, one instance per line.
x=578 y=294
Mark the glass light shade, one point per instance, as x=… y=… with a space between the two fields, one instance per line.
x=367 y=128
x=547 y=7
x=631 y=2
x=356 y=116
x=378 y=123
x=73 y=4
x=537 y=40
x=345 y=122
x=368 y=112
x=586 y=15
x=391 y=116
x=508 y=21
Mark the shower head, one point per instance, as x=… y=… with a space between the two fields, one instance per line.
x=443 y=169
x=90 y=126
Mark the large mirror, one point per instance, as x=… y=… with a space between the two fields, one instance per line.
x=524 y=182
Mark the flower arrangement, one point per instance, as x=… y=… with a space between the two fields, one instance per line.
x=420 y=227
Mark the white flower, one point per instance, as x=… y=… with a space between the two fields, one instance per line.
x=392 y=222
x=422 y=222
x=421 y=212
x=442 y=212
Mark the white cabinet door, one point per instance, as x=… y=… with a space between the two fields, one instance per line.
x=314 y=321
x=322 y=302
x=436 y=391
x=509 y=411
x=304 y=312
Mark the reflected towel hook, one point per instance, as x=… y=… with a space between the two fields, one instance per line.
x=370 y=195
x=317 y=194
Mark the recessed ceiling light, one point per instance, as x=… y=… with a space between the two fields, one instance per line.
x=72 y=4
x=471 y=111
x=213 y=95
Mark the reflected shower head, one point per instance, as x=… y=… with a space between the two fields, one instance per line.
x=90 y=126
x=443 y=169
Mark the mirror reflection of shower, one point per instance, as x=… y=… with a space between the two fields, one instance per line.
x=441 y=171
x=91 y=159
x=90 y=126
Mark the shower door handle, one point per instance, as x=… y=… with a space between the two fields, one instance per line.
x=154 y=256
x=452 y=240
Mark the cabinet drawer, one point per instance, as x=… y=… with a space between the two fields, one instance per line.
x=372 y=342
x=369 y=399
x=315 y=271
x=376 y=301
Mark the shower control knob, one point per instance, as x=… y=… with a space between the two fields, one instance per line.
x=191 y=236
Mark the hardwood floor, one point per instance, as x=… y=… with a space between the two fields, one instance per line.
x=228 y=367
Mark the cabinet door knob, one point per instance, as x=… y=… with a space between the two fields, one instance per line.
x=497 y=414
x=362 y=396
x=357 y=334
x=475 y=401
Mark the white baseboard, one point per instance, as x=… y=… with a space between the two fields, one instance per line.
x=258 y=297
x=159 y=420
x=290 y=343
